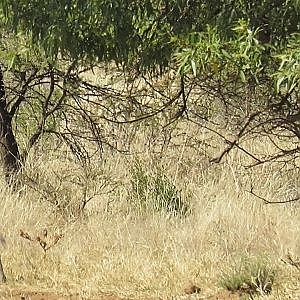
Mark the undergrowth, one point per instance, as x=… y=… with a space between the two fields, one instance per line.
x=250 y=275
x=152 y=189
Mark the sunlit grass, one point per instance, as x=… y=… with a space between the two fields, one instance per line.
x=112 y=247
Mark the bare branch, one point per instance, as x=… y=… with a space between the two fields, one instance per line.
x=272 y=202
x=21 y=94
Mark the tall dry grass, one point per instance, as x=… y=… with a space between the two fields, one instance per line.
x=117 y=246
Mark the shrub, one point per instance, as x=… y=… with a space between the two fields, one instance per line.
x=250 y=275
x=155 y=191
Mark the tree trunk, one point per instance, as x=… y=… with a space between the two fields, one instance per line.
x=9 y=151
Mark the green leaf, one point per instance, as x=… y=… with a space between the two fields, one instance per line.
x=226 y=54
x=278 y=83
x=242 y=76
x=194 y=68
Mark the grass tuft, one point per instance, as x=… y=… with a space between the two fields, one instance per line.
x=251 y=276
x=153 y=190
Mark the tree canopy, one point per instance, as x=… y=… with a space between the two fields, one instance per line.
x=146 y=34
x=242 y=54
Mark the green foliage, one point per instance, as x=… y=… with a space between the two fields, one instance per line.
x=247 y=52
x=101 y=30
x=202 y=52
x=288 y=74
x=250 y=275
x=208 y=53
x=206 y=36
x=239 y=49
x=17 y=53
x=155 y=191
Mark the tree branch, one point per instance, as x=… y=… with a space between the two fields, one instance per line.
x=272 y=202
x=22 y=93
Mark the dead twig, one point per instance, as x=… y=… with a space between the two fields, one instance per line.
x=266 y=201
x=291 y=261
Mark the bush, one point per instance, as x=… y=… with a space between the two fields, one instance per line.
x=155 y=191
x=250 y=275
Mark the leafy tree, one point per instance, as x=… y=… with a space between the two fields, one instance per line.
x=82 y=33
x=242 y=54
x=248 y=64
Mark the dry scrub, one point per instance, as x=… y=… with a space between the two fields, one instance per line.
x=115 y=245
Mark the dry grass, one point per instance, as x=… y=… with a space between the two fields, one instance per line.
x=115 y=247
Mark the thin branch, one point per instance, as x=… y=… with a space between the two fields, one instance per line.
x=22 y=93
x=234 y=143
x=266 y=201
x=284 y=153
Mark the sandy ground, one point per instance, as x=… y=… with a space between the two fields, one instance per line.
x=22 y=295
x=35 y=295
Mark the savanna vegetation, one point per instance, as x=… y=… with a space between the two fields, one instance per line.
x=150 y=148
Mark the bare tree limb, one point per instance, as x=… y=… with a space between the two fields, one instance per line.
x=266 y=201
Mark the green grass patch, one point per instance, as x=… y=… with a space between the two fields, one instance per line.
x=249 y=276
x=152 y=189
